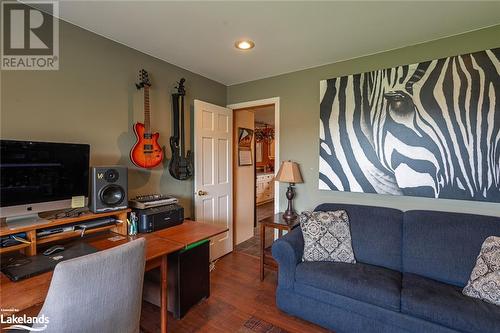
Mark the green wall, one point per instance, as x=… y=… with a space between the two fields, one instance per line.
x=299 y=118
x=92 y=99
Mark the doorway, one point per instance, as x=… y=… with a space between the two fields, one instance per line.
x=254 y=190
x=264 y=162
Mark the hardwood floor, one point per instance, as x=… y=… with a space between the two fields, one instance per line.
x=236 y=295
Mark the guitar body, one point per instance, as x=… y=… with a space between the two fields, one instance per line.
x=146 y=153
x=179 y=167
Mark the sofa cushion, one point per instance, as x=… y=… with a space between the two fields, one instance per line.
x=446 y=305
x=372 y=284
x=375 y=231
x=444 y=246
x=344 y=314
x=327 y=236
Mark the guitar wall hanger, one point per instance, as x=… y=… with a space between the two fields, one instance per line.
x=180 y=166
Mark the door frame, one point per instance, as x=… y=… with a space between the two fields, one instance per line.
x=261 y=102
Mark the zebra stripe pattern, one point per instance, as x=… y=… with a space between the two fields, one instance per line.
x=430 y=129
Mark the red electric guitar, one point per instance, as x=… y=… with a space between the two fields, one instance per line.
x=146 y=153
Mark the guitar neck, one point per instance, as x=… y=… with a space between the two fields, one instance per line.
x=182 y=142
x=147 y=120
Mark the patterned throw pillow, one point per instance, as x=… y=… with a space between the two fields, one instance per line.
x=484 y=281
x=327 y=236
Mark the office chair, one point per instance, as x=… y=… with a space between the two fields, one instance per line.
x=99 y=292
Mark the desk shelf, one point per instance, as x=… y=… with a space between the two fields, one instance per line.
x=119 y=214
x=71 y=234
x=13 y=248
x=31 y=231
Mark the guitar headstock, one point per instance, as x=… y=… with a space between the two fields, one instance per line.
x=144 y=80
x=180 y=88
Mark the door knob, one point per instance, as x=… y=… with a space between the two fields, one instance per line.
x=201 y=192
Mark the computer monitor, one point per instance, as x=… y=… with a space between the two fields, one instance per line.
x=40 y=176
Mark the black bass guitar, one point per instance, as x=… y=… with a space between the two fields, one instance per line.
x=180 y=166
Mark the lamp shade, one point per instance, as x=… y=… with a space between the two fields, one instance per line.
x=289 y=172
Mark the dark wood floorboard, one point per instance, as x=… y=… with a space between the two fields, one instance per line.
x=237 y=294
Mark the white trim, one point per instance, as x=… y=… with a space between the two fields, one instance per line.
x=276 y=102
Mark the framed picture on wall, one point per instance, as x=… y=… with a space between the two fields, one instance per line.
x=245 y=136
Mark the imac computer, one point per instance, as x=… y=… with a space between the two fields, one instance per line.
x=40 y=176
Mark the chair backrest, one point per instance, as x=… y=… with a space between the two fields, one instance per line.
x=99 y=292
x=444 y=246
x=376 y=233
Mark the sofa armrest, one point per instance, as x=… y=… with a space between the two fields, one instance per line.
x=287 y=251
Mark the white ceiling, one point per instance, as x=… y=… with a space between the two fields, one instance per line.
x=289 y=36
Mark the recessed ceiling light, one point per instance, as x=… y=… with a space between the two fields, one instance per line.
x=245 y=44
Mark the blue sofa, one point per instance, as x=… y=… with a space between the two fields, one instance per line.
x=410 y=271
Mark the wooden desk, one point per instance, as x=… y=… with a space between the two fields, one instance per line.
x=31 y=292
x=275 y=222
x=191 y=232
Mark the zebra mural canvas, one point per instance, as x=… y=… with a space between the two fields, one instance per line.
x=430 y=129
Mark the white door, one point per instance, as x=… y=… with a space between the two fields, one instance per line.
x=213 y=129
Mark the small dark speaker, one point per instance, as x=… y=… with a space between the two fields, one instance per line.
x=108 y=188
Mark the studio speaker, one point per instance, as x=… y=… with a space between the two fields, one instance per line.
x=108 y=189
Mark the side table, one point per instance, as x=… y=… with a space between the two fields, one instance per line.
x=275 y=222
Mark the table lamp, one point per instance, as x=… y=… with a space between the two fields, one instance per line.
x=289 y=172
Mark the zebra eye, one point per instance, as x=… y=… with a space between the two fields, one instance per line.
x=399 y=102
x=394 y=96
